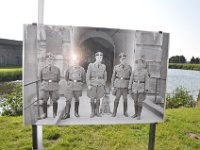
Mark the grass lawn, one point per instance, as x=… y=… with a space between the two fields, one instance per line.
x=171 y=135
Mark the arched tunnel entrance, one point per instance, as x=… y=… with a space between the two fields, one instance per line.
x=90 y=46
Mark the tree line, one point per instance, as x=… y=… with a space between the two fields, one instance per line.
x=182 y=59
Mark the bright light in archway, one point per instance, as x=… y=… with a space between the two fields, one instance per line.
x=74 y=57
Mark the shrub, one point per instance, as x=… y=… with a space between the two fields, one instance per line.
x=6 y=88
x=180 y=98
x=12 y=105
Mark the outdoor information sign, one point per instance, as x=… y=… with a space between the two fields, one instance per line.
x=88 y=75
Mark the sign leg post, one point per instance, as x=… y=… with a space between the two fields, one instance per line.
x=152 y=132
x=34 y=137
x=37 y=137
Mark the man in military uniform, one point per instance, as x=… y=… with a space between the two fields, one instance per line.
x=137 y=86
x=49 y=77
x=75 y=77
x=96 y=79
x=119 y=83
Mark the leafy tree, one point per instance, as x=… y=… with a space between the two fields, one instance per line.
x=197 y=60
x=12 y=105
x=177 y=59
x=180 y=98
x=192 y=61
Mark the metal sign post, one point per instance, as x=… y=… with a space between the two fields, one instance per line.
x=37 y=130
x=34 y=137
x=152 y=133
x=37 y=137
x=40 y=11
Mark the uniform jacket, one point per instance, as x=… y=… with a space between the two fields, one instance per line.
x=137 y=81
x=96 y=74
x=50 y=77
x=75 y=77
x=121 y=76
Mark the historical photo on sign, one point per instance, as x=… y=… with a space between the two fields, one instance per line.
x=87 y=75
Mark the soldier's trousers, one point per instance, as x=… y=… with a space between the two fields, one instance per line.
x=45 y=95
x=96 y=92
x=138 y=98
x=75 y=94
x=121 y=92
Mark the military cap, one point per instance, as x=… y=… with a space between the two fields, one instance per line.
x=99 y=54
x=122 y=55
x=142 y=58
x=50 y=55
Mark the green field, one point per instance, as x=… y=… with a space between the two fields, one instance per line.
x=10 y=73
x=171 y=135
x=184 y=66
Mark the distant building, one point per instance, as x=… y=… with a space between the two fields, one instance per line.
x=10 y=53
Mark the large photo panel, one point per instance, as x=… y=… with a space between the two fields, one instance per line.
x=87 y=75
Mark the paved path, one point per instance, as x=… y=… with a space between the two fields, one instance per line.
x=85 y=111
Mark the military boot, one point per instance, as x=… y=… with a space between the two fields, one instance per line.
x=115 y=109
x=44 y=107
x=136 y=111
x=125 y=109
x=92 y=109
x=76 y=109
x=97 y=109
x=67 y=110
x=139 y=112
x=55 y=108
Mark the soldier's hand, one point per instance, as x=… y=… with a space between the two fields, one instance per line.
x=89 y=87
x=112 y=88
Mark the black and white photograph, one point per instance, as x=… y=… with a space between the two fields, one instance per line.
x=87 y=75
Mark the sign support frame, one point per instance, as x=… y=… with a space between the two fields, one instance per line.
x=37 y=129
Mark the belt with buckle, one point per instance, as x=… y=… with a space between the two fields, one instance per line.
x=138 y=81
x=97 y=78
x=49 y=81
x=74 y=80
x=123 y=78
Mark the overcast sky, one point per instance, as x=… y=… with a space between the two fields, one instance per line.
x=180 y=18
